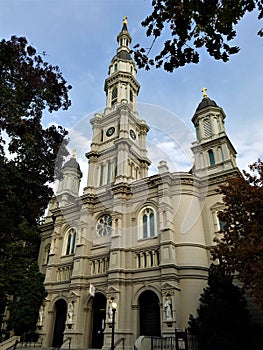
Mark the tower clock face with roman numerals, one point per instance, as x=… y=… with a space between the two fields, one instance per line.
x=132 y=134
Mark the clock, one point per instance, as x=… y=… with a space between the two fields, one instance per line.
x=132 y=134
x=110 y=131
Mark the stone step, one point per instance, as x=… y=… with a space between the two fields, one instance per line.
x=51 y=348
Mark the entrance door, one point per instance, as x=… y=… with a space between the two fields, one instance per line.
x=149 y=314
x=99 y=319
x=60 y=321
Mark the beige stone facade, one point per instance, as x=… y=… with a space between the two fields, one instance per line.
x=140 y=241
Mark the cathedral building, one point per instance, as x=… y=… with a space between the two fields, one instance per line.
x=131 y=248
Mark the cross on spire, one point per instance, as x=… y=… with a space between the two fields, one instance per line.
x=204 y=92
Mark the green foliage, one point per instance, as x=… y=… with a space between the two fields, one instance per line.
x=30 y=158
x=27 y=296
x=240 y=247
x=222 y=320
x=193 y=25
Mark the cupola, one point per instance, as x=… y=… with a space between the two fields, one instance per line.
x=121 y=84
x=68 y=187
x=213 y=151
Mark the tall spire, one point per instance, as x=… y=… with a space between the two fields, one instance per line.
x=124 y=39
x=118 y=152
x=122 y=84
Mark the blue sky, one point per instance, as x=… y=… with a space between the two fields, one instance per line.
x=80 y=37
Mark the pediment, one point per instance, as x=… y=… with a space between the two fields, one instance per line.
x=112 y=290
x=217 y=206
x=167 y=286
x=73 y=295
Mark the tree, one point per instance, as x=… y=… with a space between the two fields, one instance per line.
x=28 y=154
x=240 y=247
x=222 y=320
x=192 y=25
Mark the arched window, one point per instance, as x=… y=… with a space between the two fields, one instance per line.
x=211 y=157
x=220 y=223
x=71 y=239
x=147 y=223
x=47 y=252
x=114 y=95
x=207 y=127
x=109 y=173
x=101 y=174
x=216 y=210
x=131 y=96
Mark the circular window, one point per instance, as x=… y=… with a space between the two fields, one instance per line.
x=104 y=225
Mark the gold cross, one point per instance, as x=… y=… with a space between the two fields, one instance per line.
x=204 y=92
x=124 y=21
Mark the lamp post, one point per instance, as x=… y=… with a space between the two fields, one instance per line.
x=113 y=307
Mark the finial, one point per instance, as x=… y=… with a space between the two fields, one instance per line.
x=74 y=153
x=124 y=21
x=204 y=92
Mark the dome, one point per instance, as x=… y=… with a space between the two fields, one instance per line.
x=72 y=163
x=123 y=55
x=206 y=102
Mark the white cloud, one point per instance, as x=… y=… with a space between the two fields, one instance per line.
x=249 y=144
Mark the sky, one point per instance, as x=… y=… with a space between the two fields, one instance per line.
x=80 y=37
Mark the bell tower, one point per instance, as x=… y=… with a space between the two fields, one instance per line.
x=121 y=85
x=118 y=150
x=213 y=151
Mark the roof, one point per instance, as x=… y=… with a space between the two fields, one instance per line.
x=123 y=55
x=72 y=163
x=206 y=102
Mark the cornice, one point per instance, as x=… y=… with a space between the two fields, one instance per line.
x=121 y=75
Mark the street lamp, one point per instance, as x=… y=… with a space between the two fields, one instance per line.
x=113 y=307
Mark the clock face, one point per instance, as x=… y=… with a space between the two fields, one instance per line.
x=104 y=225
x=110 y=131
x=133 y=135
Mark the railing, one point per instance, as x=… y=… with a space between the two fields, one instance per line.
x=5 y=345
x=160 y=343
x=29 y=340
x=64 y=342
x=121 y=340
x=182 y=340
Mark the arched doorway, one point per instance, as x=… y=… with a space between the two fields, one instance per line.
x=149 y=314
x=60 y=321
x=99 y=319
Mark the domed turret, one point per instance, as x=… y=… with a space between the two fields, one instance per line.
x=68 y=187
x=213 y=150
